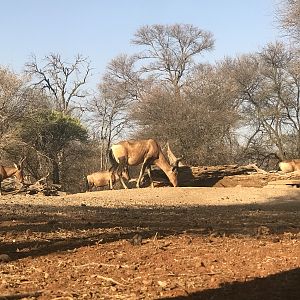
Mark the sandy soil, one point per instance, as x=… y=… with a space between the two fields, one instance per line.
x=162 y=243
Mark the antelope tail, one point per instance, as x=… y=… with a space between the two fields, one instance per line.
x=87 y=186
x=113 y=161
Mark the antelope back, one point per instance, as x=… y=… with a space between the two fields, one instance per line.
x=287 y=166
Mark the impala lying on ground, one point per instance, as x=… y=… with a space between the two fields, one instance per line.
x=102 y=178
x=15 y=171
x=145 y=152
x=292 y=165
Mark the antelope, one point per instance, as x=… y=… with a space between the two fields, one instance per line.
x=102 y=178
x=145 y=152
x=15 y=171
x=292 y=165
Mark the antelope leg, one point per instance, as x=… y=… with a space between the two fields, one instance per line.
x=144 y=166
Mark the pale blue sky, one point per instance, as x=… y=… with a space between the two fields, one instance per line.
x=103 y=29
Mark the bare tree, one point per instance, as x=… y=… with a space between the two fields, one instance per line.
x=130 y=82
x=11 y=90
x=16 y=101
x=202 y=127
x=62 y=81
x=108 y=120
x=170 y=50
x=117 y=91
x=269 y=86
x=289 y=18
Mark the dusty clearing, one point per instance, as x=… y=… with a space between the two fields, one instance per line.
x=197 y=243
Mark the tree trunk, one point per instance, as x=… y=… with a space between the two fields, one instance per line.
x=55 y=172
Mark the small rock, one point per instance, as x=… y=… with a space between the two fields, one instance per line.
x=262 y=243
x=263 y=230
x=137 y=240
x=147 y=282
x=4 y=258
x=162 y=284
x=276 y=239
x=288 y=235
x=215 y=234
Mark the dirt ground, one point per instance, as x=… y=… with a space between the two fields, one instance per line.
x=162 y=243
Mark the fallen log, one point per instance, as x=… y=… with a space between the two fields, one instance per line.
x=211 y=175
x=286 y=182
x=45 y=189
x=21 y=295
x=42 y=186
x=220 y=176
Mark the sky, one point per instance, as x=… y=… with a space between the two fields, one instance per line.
x=103 y=29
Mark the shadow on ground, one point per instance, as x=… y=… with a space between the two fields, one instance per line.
x=34 y=230
x=280 y=286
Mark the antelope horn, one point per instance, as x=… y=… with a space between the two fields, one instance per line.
x=22 y=160
x=178 y=160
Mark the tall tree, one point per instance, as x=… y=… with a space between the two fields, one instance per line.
x=50 y=133
x=269 y=85
x=17 y=100
x=64 y=82
x=170 y=50
x=289 y=18
x=202 y=126
x=119 y=88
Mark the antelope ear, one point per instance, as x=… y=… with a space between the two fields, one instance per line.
x=175 y=169
x=21 y=161
x=16 y=166
x=178 y=160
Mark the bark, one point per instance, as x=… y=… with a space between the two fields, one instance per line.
x=55 y=172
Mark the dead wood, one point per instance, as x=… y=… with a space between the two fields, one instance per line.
x=43 y=186
x=222 y=176
x=45 y=189
x=20 y=296
x=210 y=175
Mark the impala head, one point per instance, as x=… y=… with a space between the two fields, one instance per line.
x=173 y=174
x=19 y=171
x=173 y=177
x=125 y=174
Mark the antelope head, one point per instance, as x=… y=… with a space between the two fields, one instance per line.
x=19 y=170
x=175 y=165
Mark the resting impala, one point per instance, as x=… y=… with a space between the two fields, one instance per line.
x=292 y=165
x=145 y=152
x=15 y=171
x=102 y=178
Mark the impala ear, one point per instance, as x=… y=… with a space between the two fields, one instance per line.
x=175 y=169
x=16 y=166
x=175 y=166
x=178 y=160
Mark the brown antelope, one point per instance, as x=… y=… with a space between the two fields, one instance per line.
x=102 y=178
x=15 y=171
x=288 y=166
x=145 y=152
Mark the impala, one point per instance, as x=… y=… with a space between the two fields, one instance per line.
x=15 y=171
x=145 y=152
x=102 y=178
x=292 y=165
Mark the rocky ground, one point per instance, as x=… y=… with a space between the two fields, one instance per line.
x=162 y=243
